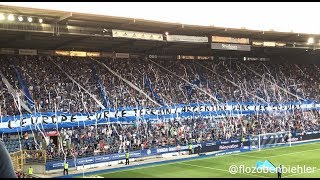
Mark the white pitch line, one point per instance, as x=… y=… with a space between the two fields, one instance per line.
x=279 y=154
x=162 y=164
x=263 y=150
x=218 y=169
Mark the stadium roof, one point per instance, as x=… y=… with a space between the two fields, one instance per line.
x=102 y=40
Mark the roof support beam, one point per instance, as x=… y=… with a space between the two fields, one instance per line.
x=125 y=24
x=64 y=17
x=174 y=29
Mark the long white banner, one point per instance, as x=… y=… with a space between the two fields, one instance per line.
x=197 y=39
x=50 y=119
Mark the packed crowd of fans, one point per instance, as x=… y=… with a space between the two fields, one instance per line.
x=71 y=84
x=116 y=138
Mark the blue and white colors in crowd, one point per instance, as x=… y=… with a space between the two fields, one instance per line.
x=49 y=120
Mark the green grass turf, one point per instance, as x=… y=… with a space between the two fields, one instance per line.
x=217 y=166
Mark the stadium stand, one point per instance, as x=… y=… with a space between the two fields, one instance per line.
x=54 y=89
x=76 y=63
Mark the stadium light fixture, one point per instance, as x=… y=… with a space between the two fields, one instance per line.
x=30 y=19
x=310 y=40
x=20 y=18
x=2 y=17
x=40 y=20
x=167 y=33
x=10 y=17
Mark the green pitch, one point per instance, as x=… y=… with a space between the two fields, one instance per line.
x=302 y=156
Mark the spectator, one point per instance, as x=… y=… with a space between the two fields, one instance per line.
x=227 y=81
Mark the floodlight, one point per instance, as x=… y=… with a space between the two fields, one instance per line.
x=310 y=40
x=20 y=18
x=10 y=17
x=2 y=17
x=30 y=19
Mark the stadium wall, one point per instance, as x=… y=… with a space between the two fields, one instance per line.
x=218 y=153
x=217 y=146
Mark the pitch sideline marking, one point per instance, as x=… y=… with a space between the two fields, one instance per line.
x=198 y=159
x=278 y=154
x=217 y=169
x=254 y=157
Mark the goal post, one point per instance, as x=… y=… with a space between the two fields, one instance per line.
x=261 y=141
x=18 y=160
